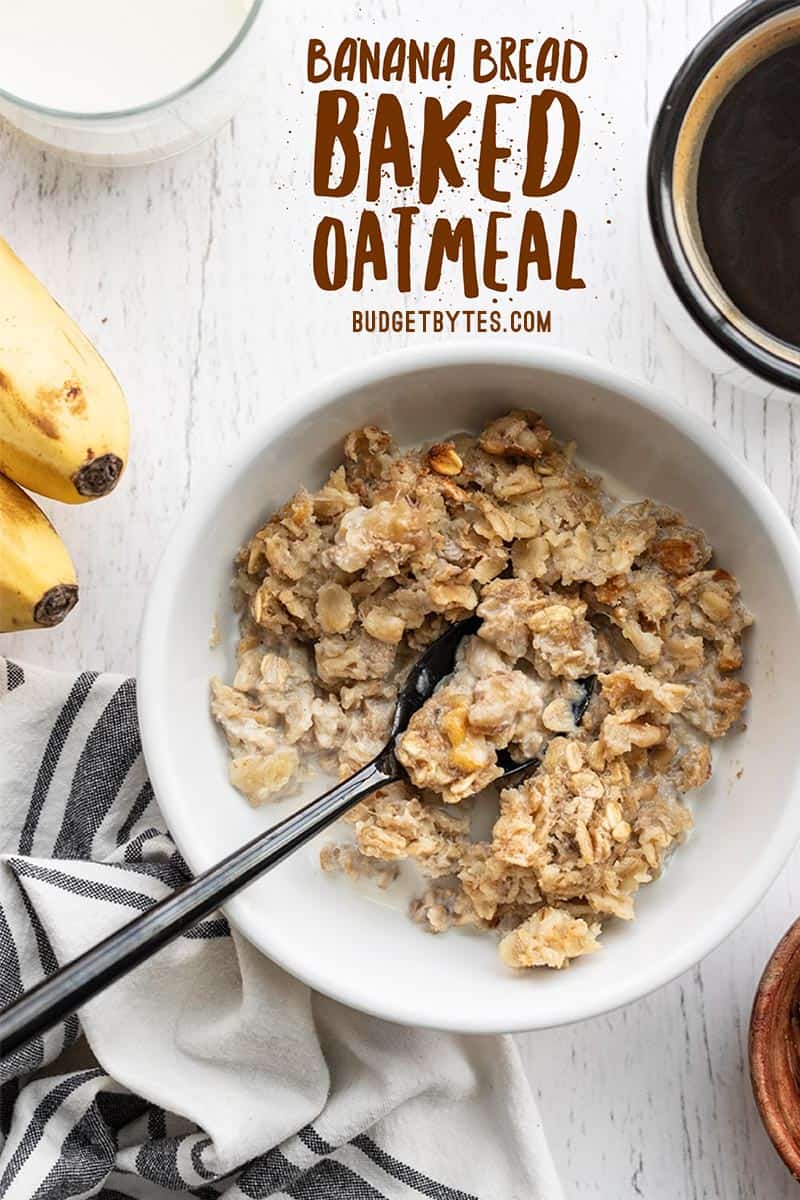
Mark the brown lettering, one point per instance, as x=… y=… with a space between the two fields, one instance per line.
x=333 y=128
x=574 y=74
x=405 y=222
x=457 y=241
x=565 y=279
x=316 y=54
x=482 y=53
x=491 y=153
x=547 y=59
x=533 y=250
x=369 y=250
x=437 y=157
x=508 y=46
x=330 y=281
x=389 y=146
x=491 y=255
x=534 y=184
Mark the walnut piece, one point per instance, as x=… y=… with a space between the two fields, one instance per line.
x=443 y=459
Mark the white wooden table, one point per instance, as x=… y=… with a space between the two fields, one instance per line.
x=194 y=278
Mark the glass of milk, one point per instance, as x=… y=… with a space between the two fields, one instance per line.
x=115 y=82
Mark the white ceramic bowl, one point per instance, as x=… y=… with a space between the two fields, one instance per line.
x=323 y=929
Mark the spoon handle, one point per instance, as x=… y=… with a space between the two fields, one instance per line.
x=89 y=974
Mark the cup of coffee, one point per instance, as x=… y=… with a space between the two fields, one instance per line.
x=722 y=222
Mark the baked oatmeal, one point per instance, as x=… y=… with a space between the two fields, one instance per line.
x=576 y=595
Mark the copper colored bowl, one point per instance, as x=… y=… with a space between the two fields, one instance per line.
x=775 y=1048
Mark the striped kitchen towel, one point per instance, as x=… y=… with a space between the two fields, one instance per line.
x=208 y=1070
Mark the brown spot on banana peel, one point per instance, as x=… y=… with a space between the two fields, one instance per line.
x=98 y=476
x=76 y=401
x=69 y=396
x=48 y=427
x=27 y=415
x=55 y=604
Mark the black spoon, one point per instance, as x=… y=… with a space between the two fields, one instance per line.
x=86 y=976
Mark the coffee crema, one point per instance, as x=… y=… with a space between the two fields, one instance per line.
x=748 y=194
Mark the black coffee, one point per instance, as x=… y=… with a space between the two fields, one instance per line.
x=748 y=194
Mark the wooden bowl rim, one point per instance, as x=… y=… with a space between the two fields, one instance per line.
x=769 y=1020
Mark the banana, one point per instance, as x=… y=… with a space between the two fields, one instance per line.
x=63 y=418
x=37 y=578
